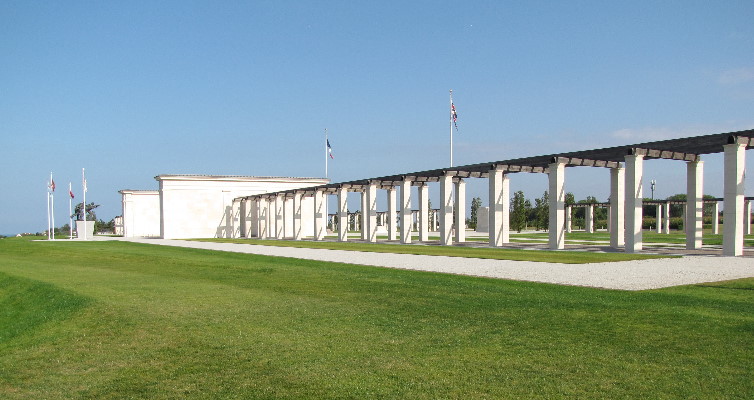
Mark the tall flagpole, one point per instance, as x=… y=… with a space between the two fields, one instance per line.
x=70 y=211
x=450 y=112
x=326 y=155
x=52 y=207
x=48 y=210
x=83 y=184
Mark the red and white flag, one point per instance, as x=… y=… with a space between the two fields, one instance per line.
x=454 y=115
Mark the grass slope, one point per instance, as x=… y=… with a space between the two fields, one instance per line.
x=125 y=320
x=565 y=257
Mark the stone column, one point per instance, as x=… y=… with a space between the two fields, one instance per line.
x=446 y=210
x=342 y=214
x=556 y=200
x=568 y=219
x=423 y=212
x=298 y=230
x=253 y=221
x=617 y=197
x=406 y=211
x=694 y=204
x=589 y=218
x=733 y=203
x=279 y=223
x=608 y=225
x=499 y=200
x=262 y=211
x=460 y=207
x=371 y=212
x=658 y=214
x=364 y=216
x=244 y=222
x=391 y=214
x=634 y=198
x=320 y=214
x=715 y=218
x=234 y=228
x=666 y=227
x=270 y=217
x=747 y=217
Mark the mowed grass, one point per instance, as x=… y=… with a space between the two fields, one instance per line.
x=566 y=257
x=105 y=320
x=647 y=237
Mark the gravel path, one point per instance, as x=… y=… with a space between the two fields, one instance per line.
x=626 y=275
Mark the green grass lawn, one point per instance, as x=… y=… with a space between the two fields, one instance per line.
x=647 y=237
x=105 y=320
x=566 y=257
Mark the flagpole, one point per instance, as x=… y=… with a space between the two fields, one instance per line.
x=326 y=155
x=48 y=210
x=450 y=120
x=52 y=207
x=83 y=184
x=70 y=211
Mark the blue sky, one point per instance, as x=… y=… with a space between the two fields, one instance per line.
x=130 y=90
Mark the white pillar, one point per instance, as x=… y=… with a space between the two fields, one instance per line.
x=235 y=220
x=423 y=212
x=405 y=211
x=245 y=226
x=715 y=218
x=568 y=219
x=298 y=230
x=733 y=203
x=320 y=214
x=617 y=197
x=694 y=204
x=262 y=217
x=666 y=226
x=446 y=210
x=589 y=218
x=634 y=199
x=391 y=214
x=608 y=225
x=342 y=214
x=364 y=213
x=371 y=212
x=499 y=199
x=279 y=225
x=556 y=200
x=460 y=207
x=253 y=221
x=270 y=217
x=747 y=217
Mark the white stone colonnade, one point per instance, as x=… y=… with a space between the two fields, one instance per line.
x=270 y=215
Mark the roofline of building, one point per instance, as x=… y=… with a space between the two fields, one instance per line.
x=240 y=178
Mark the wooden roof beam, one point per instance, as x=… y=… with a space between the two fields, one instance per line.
x=666 y=154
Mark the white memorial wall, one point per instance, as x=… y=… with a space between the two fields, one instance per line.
x=201 y=206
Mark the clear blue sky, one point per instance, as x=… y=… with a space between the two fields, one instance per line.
x=130 y=90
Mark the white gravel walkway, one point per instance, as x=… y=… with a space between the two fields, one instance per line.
x=626 y=275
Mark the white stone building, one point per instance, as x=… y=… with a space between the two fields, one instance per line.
x=141 y=213
x=200 y=206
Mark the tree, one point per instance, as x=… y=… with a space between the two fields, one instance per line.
x=542 y=208
x=476 y=202
x=569 y=198
x=518 y=212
